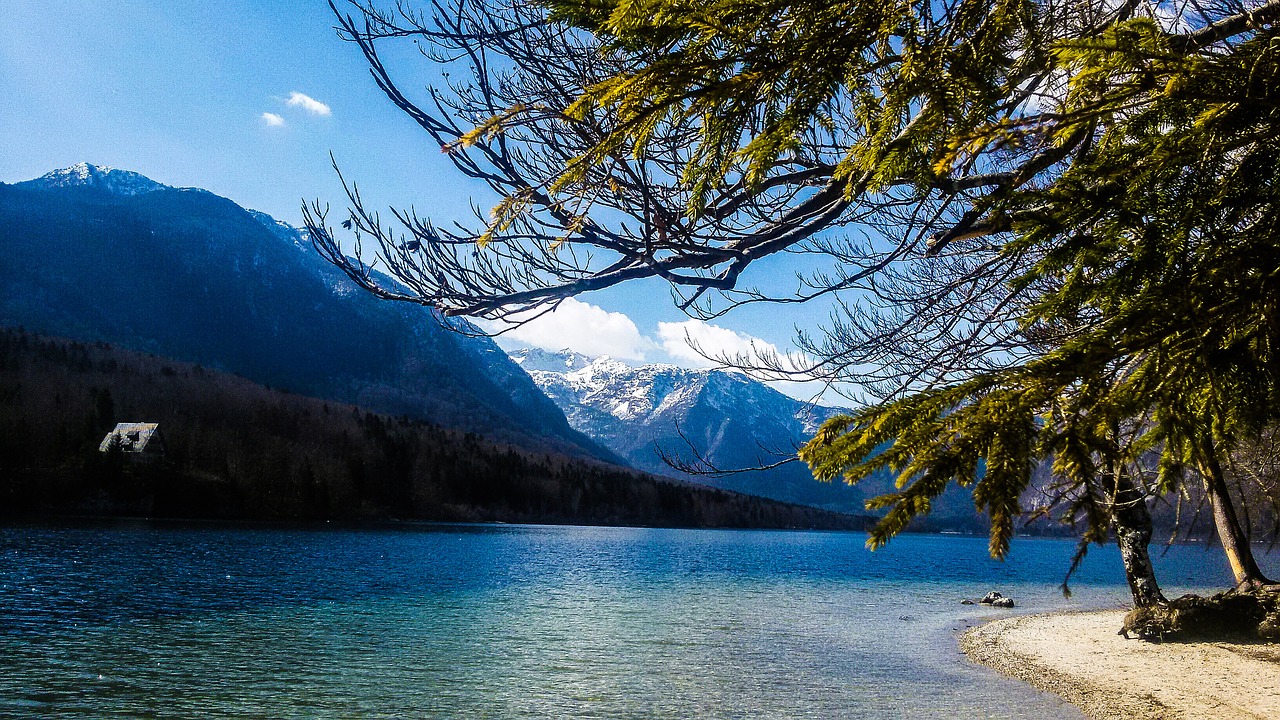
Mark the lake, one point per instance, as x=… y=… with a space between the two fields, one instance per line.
x=129 y=619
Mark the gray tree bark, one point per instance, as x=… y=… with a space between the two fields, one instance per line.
x=1133 y=535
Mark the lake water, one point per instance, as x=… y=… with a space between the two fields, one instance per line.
x=181 y=620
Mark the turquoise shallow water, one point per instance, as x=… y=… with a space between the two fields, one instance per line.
x=171 y=620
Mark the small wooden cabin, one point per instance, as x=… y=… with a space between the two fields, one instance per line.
x=137 y=438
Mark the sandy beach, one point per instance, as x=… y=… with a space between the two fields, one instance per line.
x=1079 y=657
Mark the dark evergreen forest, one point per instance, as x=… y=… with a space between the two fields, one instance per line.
x=236 y=449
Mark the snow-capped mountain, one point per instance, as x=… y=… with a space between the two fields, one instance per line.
x=725 y=417
x=122 y=183
x=558 y=362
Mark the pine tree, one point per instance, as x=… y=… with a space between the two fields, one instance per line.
x=1070 y=213
x=1160 y=247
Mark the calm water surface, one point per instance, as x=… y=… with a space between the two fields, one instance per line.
x=168 y=620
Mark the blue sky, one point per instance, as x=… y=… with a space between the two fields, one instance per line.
x=198 y=94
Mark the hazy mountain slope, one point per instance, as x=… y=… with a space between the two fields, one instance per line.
x=98 y=254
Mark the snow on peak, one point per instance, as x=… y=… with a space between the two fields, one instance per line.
x=646 y=393
x=561 y=361
x=110 y=180
x=610 y=386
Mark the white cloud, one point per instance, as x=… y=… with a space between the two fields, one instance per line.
x=594 y=331
x=272 y=120
x=583 y=328
x=692 y=341
x=684 y=340
x=308 y=103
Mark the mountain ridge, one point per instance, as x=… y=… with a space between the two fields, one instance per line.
x=101 y=254
x=725 y=418
x=98 y=177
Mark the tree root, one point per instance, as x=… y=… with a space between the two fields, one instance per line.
x=1240 y=615
x=1265 y=586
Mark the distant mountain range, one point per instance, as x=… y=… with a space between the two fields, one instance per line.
x=99 y=254
x=725 y=418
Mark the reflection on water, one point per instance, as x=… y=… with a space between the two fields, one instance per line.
x=170 y=620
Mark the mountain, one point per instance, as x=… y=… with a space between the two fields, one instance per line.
x=530 y=359
x=100 y=179
x=98 y=254
x=725 y=417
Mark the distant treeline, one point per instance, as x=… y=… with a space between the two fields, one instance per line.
x=236 y=449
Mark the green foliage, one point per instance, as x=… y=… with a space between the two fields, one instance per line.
x=1160 y=249
x=980 y=434
x=756 y=79
x=1090 y=184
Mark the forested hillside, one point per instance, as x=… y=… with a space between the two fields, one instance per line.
x=96 y=254
x=236 y=449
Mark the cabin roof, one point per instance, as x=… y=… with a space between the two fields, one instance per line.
x=134 y=436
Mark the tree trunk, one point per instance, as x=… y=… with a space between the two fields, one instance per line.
x=1133 y=535
x=1235 y=542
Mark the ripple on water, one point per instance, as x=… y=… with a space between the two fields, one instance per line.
x=176 y=620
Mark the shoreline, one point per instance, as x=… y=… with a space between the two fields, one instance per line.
x=1079 y=657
